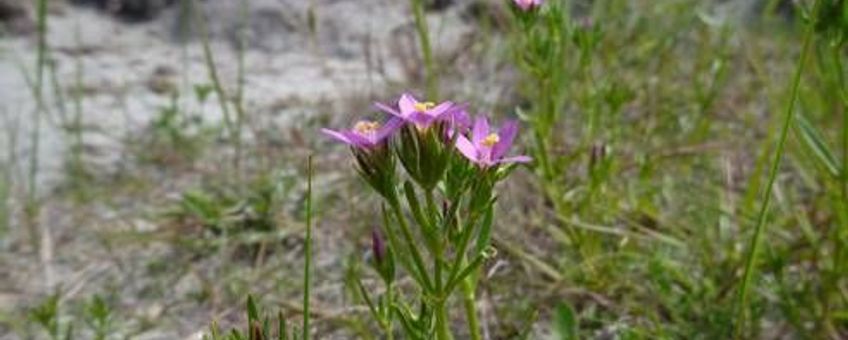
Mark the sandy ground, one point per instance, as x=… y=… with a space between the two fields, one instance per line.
x=127 y=68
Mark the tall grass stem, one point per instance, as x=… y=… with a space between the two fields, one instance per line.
x=759 y=231
x=307 y=270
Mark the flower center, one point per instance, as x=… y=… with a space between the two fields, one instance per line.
x=366 y=127
x=491 y=140
x=424 y=106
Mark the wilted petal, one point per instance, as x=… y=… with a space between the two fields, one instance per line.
x=378 y=247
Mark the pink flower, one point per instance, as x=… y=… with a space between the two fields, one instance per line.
x=365 y=134
x=422 y=114
x=488 y=148
x=527 y=5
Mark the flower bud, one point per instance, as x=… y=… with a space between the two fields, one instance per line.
x=384 y=261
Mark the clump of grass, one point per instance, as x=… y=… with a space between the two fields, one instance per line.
x=258 y=325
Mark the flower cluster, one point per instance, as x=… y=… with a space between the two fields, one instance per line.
x=444 y=205
x=478 y=144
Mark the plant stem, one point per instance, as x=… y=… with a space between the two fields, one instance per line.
x=410 y=242
x=239 y=99
x=837 y=58
x=750 y=266
x=424 y=39
x=307 y=250
x=41 y=60
x=213 y=75
x=470 y=302
x=442 y=321
x=390 y=334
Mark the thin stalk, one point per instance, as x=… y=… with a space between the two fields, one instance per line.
x=76 y=125
x=470 y=302
x=410 y=242
x=213 y=72
x=307 y=250
x=837 y=58
x=426 y=50
x=750 y=267
x=239 y=100
x=390 y=334
x=41 y=59
x=839 y=246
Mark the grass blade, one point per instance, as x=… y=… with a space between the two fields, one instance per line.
x=756 y=240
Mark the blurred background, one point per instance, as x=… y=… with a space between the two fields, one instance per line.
x=153 y=163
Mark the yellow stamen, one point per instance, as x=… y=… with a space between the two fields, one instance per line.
x=491 y=140
x=424 y=106
x=366 y=127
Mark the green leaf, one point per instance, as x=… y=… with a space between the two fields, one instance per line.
x=565 y=322
x=252 y=311
x=814 y=142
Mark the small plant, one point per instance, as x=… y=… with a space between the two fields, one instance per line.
x=225 y=211
x=98 y=316
x=258 y=326
x=175 y=135
x=47 y=316
x=438 y=217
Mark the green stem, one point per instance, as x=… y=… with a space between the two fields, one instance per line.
x=442 y=321
x=836 y=271
x=750 y=266
x=426 y=50
x=410 y=242
x=390 y=334
x=837 y=56
x=307 y=250
x=470 y=302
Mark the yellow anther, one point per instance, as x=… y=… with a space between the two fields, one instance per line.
x=424 y=106
x=491 y=140
x=366 y=127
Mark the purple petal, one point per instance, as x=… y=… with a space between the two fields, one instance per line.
x=506 y=134
x=420 y=118
x=515 y=159
x=358 y=140
x=440 y=109
x=387 y=109
x=459 y=118
x=523 y=4
x=406 y=103
x=389 y=128
x=480 y=130
x=337 y=136
x=467 y=149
